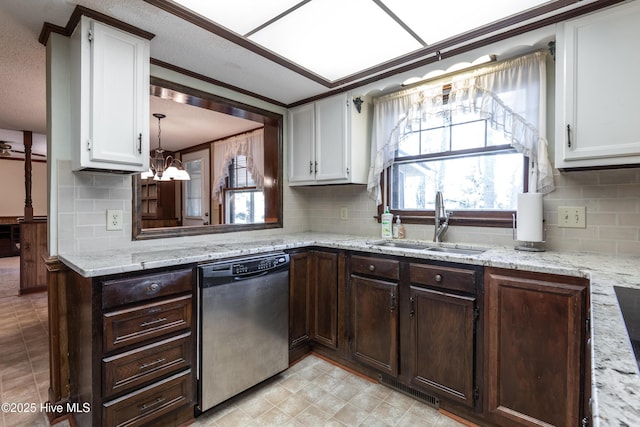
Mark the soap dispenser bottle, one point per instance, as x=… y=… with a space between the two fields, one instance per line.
x=398 y=229
x=386 y=223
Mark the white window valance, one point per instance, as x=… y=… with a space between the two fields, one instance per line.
x=251 y=145
x=512 y=95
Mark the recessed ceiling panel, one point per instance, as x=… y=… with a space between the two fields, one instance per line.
x=435 y=21
x=336 y=38
x=240 y=16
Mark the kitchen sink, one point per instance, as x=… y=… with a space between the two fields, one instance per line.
x=427 y=247
x=461 y=251
x=403 y=245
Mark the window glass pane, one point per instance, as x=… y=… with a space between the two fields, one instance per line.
x=410 y=145
x=468 y=135
x=244 y=207
x=193 y=188
x=239 y=175
x=496 y=136
x=435 y=140
x=482 y=182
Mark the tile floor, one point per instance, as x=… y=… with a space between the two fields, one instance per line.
x=24 y=348
x=313 y=392
x=24 y=357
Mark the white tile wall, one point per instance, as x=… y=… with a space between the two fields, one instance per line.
x=612 y=199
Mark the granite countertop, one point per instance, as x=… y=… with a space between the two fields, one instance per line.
x=615 y=376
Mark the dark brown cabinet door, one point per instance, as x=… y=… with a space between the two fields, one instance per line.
x=535 y=345
x=442 y=343
x=324 y=298
x=299 y=293
x=374 y=314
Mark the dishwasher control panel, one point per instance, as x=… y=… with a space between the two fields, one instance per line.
x=221 y=272
x=248 y=266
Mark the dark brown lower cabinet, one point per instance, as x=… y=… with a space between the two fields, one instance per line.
x=324 y=298
x=132 y=348
x=375 y=323
x=442 y=344
x=535 y=347
x=299 y=294
x=374 y=314
x=442 y=347
x=313 y=306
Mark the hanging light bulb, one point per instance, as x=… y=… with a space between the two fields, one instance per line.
x=161 y=168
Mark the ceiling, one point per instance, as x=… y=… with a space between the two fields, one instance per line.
x=269 y=53
x=333 y=39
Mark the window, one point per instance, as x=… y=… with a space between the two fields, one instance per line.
x=244 y=203
x=478 y=137
x=193 y=189
x=459 y=154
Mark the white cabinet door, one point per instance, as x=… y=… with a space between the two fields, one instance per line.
x=302 y=144
x=112 y=98
x=597 y=88
x=332 y=139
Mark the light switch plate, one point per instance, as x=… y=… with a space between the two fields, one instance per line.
x=114 y=219
x=572 y=216
x=344 y=213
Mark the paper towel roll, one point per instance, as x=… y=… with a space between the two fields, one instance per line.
x=530 y=217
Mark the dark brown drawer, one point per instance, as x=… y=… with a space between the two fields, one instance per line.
x=378 y=267
x=136 y=324
x=144 y=287
x=143 y=365
x=149 y=403
x=450 y=278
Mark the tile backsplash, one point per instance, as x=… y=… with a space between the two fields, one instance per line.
x=611 y=198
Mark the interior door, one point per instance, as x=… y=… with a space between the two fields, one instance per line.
x=196 y=200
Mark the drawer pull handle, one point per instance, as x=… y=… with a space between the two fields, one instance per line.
x=438 y=278
x=146 y=406
x=372 y=267
x=150 y=364
x=152 y=288
x=153 y=322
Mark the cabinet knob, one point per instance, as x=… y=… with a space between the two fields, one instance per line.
x=152 y=287
x=372 y=268
x=438 y=278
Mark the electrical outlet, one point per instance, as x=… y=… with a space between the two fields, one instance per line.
x=572 y=217
x=114 y=219
x=344 y=213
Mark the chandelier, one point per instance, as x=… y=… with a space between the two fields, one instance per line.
x=164 y=168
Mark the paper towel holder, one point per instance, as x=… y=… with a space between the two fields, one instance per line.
x=528 y=246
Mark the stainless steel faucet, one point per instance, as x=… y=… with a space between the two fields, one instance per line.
x=441 y=219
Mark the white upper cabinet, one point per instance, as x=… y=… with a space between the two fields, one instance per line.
x=110 y=98
x=597 y=89
x=329 y=142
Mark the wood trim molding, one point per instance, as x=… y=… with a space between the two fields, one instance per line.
x=74 y=19
x=59 y=392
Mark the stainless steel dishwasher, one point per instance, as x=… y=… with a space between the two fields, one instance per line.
x=243 y=325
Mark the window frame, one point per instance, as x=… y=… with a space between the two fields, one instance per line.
x=464 y=218
x=228 y=188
